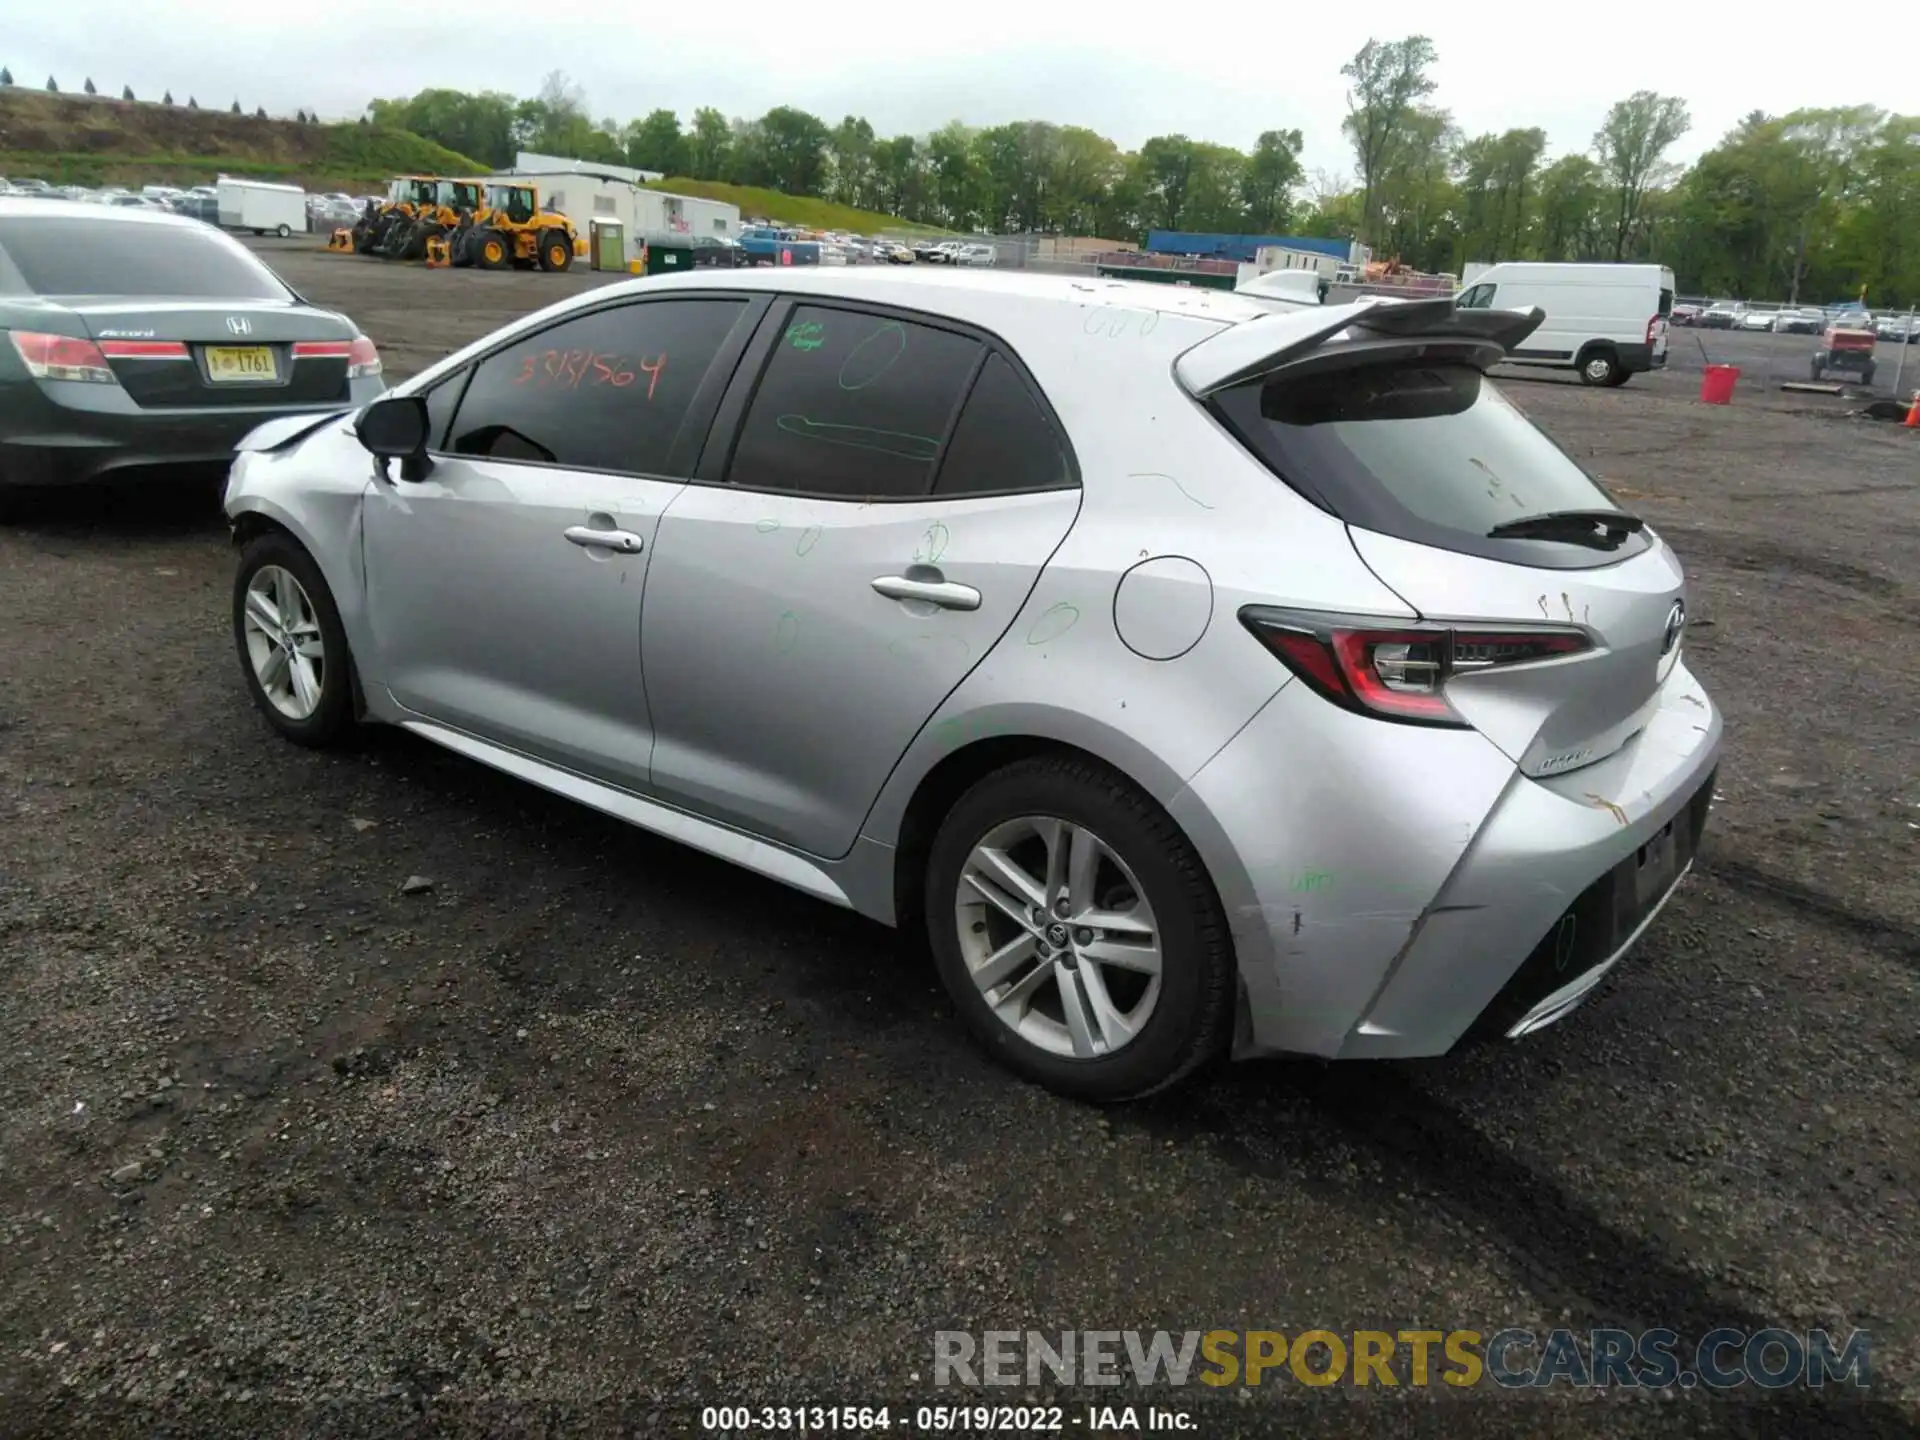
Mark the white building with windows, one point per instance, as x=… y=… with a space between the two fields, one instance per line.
x=585 y=193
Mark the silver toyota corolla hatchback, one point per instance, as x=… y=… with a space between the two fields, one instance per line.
x=1199 y=677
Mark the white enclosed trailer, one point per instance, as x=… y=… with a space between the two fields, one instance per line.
x=262 y=207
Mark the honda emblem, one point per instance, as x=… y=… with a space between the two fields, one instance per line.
x=239 y=325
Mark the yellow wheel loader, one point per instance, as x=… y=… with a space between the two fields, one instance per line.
x=510 y=230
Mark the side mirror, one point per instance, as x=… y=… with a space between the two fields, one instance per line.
x=395 y=428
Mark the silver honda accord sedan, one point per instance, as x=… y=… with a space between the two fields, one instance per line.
x=1202 y=677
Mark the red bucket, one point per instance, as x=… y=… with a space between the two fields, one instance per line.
x=1716 y=386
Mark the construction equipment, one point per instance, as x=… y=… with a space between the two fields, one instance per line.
x=493 y=225
x=417 y=209
x=433 y=217
x=510 y=229
x=373 y=231
x=1847 y=348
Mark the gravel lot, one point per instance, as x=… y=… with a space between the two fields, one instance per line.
x=596 y=1127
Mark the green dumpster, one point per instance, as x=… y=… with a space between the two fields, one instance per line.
x=668 y=254
x=609 y=245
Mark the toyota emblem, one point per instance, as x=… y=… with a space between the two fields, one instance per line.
x=1676 y=625
x=239 y=325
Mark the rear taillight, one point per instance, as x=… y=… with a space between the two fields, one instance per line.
x=1399 y=672
x=363 y=359
x=359 y=353
x=62 y=357
x=1652 y=325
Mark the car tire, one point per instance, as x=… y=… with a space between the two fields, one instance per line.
x=284 y=231
x=556 y=251
x=310 y=703
x=1125 y=1027
x=1818 y=371
x=1600 y=367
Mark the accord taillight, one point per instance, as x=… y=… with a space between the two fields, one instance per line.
x=359 y=353
x=1398 y=672
x=363 y=359
x=62 y=357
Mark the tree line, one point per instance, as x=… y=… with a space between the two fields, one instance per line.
x=1812 y=204
x=89 y=89
x=1026 y=176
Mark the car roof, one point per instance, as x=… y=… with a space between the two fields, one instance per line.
x=983 y=297
x=12 y=208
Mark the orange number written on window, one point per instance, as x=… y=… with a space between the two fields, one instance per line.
x=570 y=369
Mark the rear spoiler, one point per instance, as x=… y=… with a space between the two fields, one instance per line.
x=1257 y=348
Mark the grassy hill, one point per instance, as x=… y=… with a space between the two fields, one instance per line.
x=789 y=209
x=89 y=140
x=84 y=140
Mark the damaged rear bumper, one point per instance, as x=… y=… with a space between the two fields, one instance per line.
x=1392 y=890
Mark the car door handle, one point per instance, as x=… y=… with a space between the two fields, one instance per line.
x=624 y=542
x=944 y=593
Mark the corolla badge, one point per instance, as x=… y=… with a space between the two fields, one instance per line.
x=1670 y=640
x=239 y=325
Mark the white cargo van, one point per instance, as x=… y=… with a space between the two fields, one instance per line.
x=263 y=208
x=1607 y=322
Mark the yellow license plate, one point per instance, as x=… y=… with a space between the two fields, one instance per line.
x=228 y=364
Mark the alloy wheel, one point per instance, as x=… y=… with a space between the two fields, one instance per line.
x=1057 y=935
x=284 y=644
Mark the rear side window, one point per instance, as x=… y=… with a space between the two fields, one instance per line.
x=853 y=404
x=1666 y=302
x=1431 y=453
x=604 y=391
x=1003 y=442
x=57 y=255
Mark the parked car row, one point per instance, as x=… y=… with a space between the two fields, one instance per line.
x=837 y=249
x=955 y=252
x=764 y=243
x=336 y=207
x=1897 y=329
x=150 y=197
x=291 y=212
x=1791 y=320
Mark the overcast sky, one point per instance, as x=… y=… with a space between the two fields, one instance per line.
x=1128 y=71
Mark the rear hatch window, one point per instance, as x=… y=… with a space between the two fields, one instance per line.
x=1430 y=453
x=61 y=255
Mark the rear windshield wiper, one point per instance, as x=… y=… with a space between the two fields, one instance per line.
x=1603 y=529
